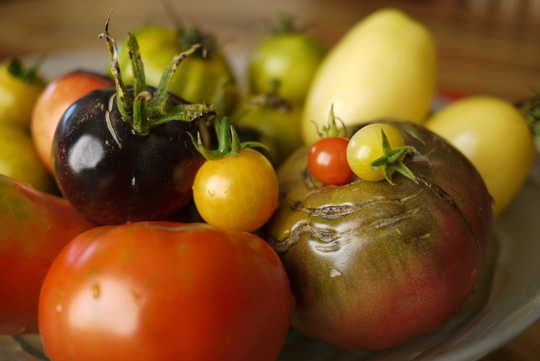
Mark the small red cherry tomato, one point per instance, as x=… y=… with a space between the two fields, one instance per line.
x=327 y=161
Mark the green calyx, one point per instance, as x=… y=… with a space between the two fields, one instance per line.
x=146 y=109
x=229 y=144
x=391 y=160
x=531 y=111
x=332 y=129
x=188 y=37
x=271 y=99
x=26 y=75
x=285 y=24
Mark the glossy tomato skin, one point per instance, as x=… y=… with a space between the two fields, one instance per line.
x=327 y=161
x=111 y=174
x=237 y=193
x=165 y=291
x=53 y=102
x=374 y=265
x=34 y=228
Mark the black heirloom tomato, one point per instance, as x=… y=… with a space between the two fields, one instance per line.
x=124 y=154
x=116 y=175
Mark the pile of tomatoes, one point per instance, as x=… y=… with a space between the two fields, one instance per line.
x=131 y=200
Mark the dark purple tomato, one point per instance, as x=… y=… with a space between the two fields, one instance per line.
x=113 y=175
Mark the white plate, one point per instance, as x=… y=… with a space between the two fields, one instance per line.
x=505 y=303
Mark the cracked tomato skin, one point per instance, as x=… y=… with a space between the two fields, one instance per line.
x=113 y=175
x=373 y=265
x=165 y=291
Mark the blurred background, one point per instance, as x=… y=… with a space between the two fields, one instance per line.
x=485 y=46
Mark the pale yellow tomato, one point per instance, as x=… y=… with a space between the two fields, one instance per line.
x=385 y=66
x=495 y=137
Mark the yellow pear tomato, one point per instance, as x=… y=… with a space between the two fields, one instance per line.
x=385 y=66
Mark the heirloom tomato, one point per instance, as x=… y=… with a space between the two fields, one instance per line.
x=34 y=227
x=19 y=90
x=165 y=291
x=495 y=137
x=51 y=104
x=236 y=188
x=374 y=265
x=287 y=56
x=123 y=155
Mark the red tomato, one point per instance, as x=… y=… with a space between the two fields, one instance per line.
x=327 y=161
x=34 y=227
x=53 y=102
x=165 y=291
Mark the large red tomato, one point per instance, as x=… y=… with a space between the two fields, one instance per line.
x=165 y=291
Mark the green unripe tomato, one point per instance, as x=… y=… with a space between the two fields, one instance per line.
x=281 y=125
x=288 y=57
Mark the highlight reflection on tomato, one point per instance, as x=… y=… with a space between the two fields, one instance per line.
x=165 y=291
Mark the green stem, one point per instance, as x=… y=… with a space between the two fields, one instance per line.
x=28 y=75
x=229 y=144
x=146 y=109
x=531 y=111
x=285 y=24
x=124 y=99
x=139 y=78
x=391 y=160
x=161 y=95
x=331 y=129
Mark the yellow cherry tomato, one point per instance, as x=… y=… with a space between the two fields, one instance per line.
x=366 y=146
x=495 y=137
x=237 y=193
